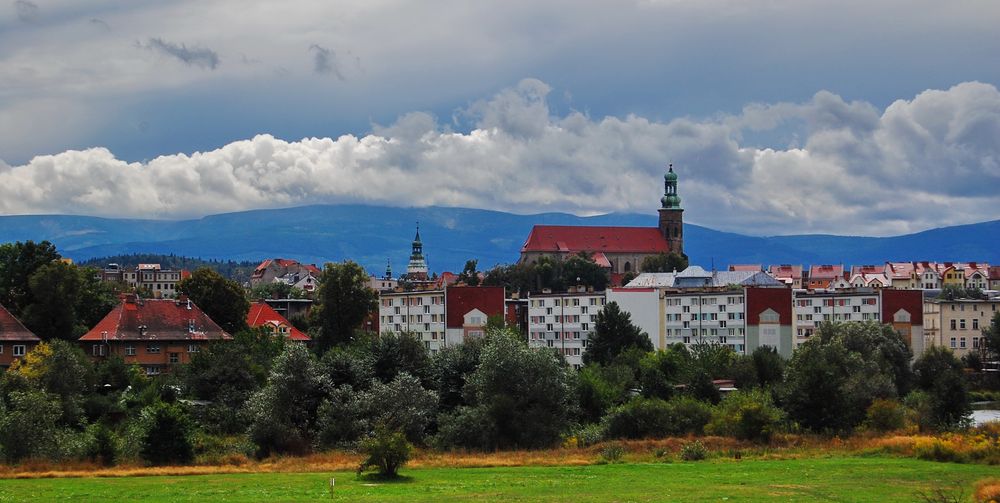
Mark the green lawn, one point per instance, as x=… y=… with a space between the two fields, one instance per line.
x=823 y=479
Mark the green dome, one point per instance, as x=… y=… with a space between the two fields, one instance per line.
x=671 y=201
x=670 y=176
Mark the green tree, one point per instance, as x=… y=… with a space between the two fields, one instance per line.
x=221 y=299
x=62 y=370
x=613 y=334
x=277 y=290
x=828 y=387
x=167 y=439
x=601 y=388
x=661 y=371
x=939 y=374
x=991 y=336
x=580 y=269
x=746 y=415
x=469 y=276
x=283 y=413
x=344 y=301
x=522 y=399
x=664 y=262
x=451 y=367
x=18 y=261
x=386 y=450
x=28 y=427
x=55 y=288
x=390 y=354
x=880 y=344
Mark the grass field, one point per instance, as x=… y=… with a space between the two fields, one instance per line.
x=876 y=478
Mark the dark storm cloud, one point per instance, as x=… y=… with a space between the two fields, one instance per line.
x=193 y=56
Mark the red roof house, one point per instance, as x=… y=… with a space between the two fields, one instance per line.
x=154 y=333
x=15 y=339
x=263 y=315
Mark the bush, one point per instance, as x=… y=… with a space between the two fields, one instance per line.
x=938 y=450
x=167 y=439
x=987 y=491
x=465 y=427
x=386 y=450
x=612 y=453
x=747 y=415
x=694 y=451
x=652 y=417
x=102 y=447
x=885 y=415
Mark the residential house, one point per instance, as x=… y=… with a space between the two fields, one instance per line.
x=263 y=315
x=155 y=334
x=958 y=324
x=15 y=339
x=822 y=276
x=160 y=282
x=288 y=271
x=994 y=277
x=788 y=274
x=467 y=308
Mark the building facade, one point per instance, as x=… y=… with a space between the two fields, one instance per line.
x=15 y=339
x=903 y=309
x=420 y=312
x=564 y=321
x=958 y=324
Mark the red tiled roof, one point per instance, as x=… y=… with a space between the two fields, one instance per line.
x=746 y=267
x=786 y=271
x=867 y=269
x=261 y=314
x=995 y=272
x=825 y=272
x=900 y=270
x=573 y=239
x=601 y=260
x=12 y=330
x=159 y=319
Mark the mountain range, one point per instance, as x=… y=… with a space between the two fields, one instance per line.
x=373 y=235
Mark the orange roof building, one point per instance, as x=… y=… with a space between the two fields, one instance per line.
x=263 y=315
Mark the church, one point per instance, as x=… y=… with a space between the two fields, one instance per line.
x=619 y=249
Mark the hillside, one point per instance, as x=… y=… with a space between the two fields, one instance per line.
x=372 y=234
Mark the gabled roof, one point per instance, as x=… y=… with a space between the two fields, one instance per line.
x=899 y=270
x=867 y=269
x=652 y=279
x=786 y=271
x=12 y=330
x=573 y=239
x=994 y=272
x=156 y=320
x=746 y=267
x=825 y=271
x=261 y=313
x=459 y=300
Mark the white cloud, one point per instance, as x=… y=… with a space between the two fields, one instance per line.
x=929 y=161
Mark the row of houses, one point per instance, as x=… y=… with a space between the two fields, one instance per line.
x=912 y=275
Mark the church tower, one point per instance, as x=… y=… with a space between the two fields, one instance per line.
x=417 y=268
x=671 y=213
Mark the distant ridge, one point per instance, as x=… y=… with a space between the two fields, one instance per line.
x=370 y=235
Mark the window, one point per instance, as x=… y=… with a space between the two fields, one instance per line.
x=1 y=349
x=97 y=350
x=192 y=348
x=152 y=348
x=129 y=350
x=152 y=371
x=175 y=358
x=962 y=343
x=961 y=324
x=953 y=324
x=975 y=323
x=18 y=350
x=953 y=343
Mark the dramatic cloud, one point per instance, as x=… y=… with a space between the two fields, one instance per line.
x=194 y=56
x=924 y=162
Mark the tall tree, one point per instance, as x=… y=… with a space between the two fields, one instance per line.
x=345 y=299
x=221 y=299
x=991 y=336
x=939 y=374
x=580 y=269
x=664 y=262
x=55 y=290
x=469 y=275
x=613 y=334
x=18 y=261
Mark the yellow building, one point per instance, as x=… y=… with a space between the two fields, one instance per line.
x=958 y=324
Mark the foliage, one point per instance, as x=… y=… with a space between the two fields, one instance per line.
x=469 y=275
x=55 y=288
x=103 y=449
x=614 y=333
x=451 y=367
x=344 y=300
x=711 y=359
x=401 y=405
x=879 y=343
x=18 y=262
x=221 y=299
x=701 y=387
x=521 y=395
x=885 y=415
x=939 y=374
x=351 y=366
x=61 y=369
x=340 y=418
x=277 y=290
x=652 y=417
x=600 y=388
x=664 y=262
x=828 y=387
x=991 y=336
x=28 y=427
x=612 y=453
x=694 y=451
x=390 y=354
x=282 y=414
x=746 y=415
x=167 y=439
x=238 y=271
x=660 y=371
x=580 y=269
x=953 y=292
x=386 y=450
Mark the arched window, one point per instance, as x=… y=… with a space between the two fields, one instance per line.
x=628 y=267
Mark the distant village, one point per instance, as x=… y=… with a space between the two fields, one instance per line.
x=744 y=306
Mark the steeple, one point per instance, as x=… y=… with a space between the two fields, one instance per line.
x=417 y=268
x=671 y=213
x=388 y=269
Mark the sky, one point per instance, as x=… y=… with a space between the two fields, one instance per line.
x=780 y=116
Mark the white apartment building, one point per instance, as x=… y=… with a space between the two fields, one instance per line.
x=419 y=312
x=161 y=282
x=813 y=308
x=564 y=321
x=706 y=317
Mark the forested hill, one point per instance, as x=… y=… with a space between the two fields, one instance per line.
x=371 y=235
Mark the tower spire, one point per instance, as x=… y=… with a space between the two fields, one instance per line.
x=671 y=213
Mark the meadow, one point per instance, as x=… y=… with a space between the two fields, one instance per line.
x=838 y=478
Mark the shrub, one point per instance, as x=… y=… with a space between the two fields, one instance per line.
x=694 y=451
x=747 y=415
x=652 y=417
x=987 y=491
x=940 y=450
x=465 y=427
x=386 y=450
x=612 y=453
x=102 y=447
x=885 y=415
x=588 y=435
x=167 y=439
